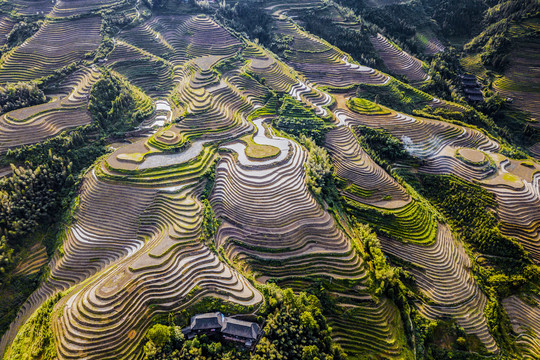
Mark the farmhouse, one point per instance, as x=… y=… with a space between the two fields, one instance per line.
x=227 y=328
x=471 y=88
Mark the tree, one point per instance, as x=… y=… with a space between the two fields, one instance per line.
x=159 y=334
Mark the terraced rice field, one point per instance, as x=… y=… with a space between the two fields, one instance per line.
x=32 y=7
x=164 y=275
x=32 y=263
x=67 y=109
x=518 y=84
x=423 y=138
x=6 y=24
x=137 y=248
x=434 y=46
x=442 y=273
x=153 y=75
x=141 y=234
x=65 y=8
x=524 y=319
x=55 y=45
x=322 y=63
x=369 y=327
x=368 y=183
x=515 y=186
x=292 y=233
x=439 y=145
x=398 y=61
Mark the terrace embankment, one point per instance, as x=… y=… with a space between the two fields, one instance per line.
x=67 y=109
x=322 y=63
x=272 y=223
x=367 y=182
x=398 y=61
x=442 y=271
x=525 y=319
x=55 y=45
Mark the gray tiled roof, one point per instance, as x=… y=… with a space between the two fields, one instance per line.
x=244 y=329
x=225 y=325
x=207 y=321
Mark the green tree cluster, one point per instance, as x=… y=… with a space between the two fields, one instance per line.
x=210 y=222
x=320 y=173
x=385 y=278
x=456 y=17
x=20 y=95
x=168 y=343
x=319 y=168
x=467 y=205
x=443 y=81
x=296 y=120
x=384 y=147
x=29 y=197
x=112 y=104
x=35 y=340
x=295 y=329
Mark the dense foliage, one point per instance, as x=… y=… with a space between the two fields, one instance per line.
x=210 y=224
x=112 y=104
x=497 y=40
x=382 y=146
x=456 y=18
x=319 y=168
x=385 y=280
x=168 y=342
x=16 y=96
x=467 y=207
x=36 y=340
x=295 y=329
x=29 y=198
x=248 y=17
x=443 y=79
x=296 y=120
x=354 y=41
